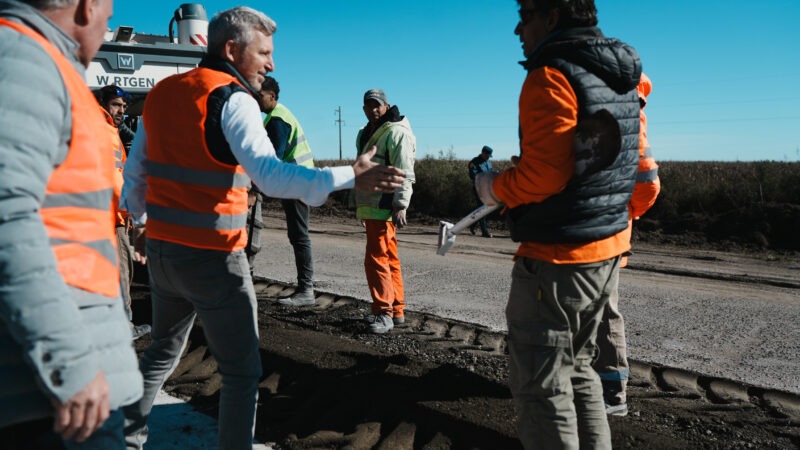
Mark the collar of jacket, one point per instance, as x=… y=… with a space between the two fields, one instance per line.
x=392 y=115
x=613 y=61
x=33 y=18
x=560 y=39
x=216 y=63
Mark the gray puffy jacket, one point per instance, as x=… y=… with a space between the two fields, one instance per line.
x=54 y=338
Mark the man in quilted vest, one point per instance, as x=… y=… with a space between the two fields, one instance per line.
x=568 y=207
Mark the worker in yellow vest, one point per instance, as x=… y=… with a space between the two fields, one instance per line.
x=291 y=146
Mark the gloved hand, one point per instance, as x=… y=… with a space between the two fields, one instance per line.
x=399 y=218
x=483 y=185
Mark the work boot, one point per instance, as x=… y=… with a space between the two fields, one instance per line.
x=486 y=234
x=383 y=323
x=472 y=229
x=139 y=330
x=399 y=320
x=299 y=298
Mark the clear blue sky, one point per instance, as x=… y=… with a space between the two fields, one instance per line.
x=724 y=72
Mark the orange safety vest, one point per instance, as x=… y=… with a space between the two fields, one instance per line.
x=77 y=206
x=192 y=198
x=120 y=215
x=648 y=185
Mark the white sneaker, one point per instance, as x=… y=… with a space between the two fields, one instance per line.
x=382 y=324
x=299 y=298
x=620 y=410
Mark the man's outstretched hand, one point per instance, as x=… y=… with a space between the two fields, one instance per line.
x=373 y=177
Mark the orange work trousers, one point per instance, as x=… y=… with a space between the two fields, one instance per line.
x=382 y=267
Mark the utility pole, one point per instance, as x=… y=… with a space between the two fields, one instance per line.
x=339 y=121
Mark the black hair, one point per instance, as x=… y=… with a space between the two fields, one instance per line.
x=110 y=92
x=271 y=84
x=573 y=13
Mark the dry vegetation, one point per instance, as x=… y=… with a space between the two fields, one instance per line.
x=745 y=204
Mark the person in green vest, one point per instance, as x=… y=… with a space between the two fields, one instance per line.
x=390 y=133
x=291 y=146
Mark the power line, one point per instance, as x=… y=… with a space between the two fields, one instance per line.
x=339 y=121
x=754 y=119
x=730 y=102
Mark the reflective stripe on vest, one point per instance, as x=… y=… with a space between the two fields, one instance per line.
x=76 y=210
x=197 y=176
x=298 y=151
x=192 y=199
x=647 y=171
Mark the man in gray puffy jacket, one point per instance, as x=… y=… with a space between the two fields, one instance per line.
x=66 y=361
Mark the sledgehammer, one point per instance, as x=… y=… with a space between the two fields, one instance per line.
x=448 y=231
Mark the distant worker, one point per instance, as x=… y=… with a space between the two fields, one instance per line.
x=383 y=213
x=568 y=197
x=68 y=365
x=291 y=146
x=114 y=102
x=479 y=164
x=197 y=150
x=612 y=360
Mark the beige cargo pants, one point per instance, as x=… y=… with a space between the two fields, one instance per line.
x=553 y=313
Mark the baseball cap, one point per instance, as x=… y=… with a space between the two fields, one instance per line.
x=377 y=95
x=487 y=149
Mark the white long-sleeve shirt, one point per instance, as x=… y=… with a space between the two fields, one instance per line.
x=242 y=126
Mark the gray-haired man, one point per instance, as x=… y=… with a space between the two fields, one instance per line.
x=198 y=146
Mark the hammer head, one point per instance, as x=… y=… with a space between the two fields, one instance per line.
x=446 y=238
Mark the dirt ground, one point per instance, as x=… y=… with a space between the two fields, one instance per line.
x=436 y=383
x=432 y=384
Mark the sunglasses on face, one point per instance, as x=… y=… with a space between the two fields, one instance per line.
x=527 y=14
x=120 y=93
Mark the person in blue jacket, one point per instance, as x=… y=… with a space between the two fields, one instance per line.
x=478 y=164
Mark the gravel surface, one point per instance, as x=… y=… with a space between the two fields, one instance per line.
x=712 y=337
x=721 y=314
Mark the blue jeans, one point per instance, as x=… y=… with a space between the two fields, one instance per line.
x=185 y=283
x=39 y=435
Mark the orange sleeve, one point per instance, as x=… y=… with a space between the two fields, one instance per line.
x=548 y=114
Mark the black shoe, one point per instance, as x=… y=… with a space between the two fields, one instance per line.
x=140 y=330
x=486 y=235
x=472 y=230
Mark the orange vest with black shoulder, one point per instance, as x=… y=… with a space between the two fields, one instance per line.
x=192 y=198
x=77 y=206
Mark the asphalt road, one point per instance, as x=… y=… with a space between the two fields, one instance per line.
x=720 y=314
